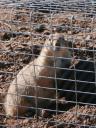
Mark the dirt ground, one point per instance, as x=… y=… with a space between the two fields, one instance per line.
x=22 y=36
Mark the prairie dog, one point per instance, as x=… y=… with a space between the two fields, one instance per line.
x=32 y=79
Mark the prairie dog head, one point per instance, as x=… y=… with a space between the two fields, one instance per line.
x=55 y=41
x=56 y=45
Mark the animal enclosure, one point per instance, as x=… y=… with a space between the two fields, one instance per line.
x=48 y=63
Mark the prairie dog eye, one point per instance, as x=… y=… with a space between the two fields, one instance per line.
x=57 y=44
x=61 y=39
x=49 y=39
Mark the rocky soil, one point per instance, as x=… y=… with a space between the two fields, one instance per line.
x=22 y=35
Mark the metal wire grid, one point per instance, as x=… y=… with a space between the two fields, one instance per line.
x=87 y=7
x=44 y=5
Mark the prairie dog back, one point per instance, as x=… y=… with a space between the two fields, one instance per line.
x=36 y=80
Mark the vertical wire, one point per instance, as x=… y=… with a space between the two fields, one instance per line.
x=85 y=8
x=16 y=105
x=85 y=11
x=74 y=70
x=76 y=88
x=93 y=42
x=94 y=51
x=36 y=98
x=55 y=76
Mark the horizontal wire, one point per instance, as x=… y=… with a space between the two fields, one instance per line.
x=51 y=110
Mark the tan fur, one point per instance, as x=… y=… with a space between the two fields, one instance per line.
x=31 y=77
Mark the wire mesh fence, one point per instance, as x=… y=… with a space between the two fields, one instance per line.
x=48 y=63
